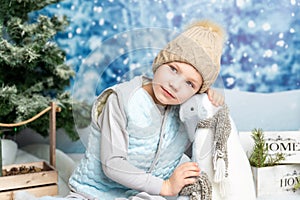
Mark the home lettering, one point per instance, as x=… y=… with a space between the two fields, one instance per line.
x=281 y=146
x=288 y=182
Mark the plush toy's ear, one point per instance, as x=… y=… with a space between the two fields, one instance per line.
x=195 y=109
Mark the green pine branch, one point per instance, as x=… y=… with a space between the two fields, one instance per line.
x=33 y=71
x=297 y=186
x=21 y=8
x=259 y=156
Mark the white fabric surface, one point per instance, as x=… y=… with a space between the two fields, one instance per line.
x=65 y=165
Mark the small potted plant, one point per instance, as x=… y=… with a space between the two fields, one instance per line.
x=271 y=176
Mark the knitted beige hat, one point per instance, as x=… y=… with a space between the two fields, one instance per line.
x=201 y=46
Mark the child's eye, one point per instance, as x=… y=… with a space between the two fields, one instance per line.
x=189 y=83
x=173 y=68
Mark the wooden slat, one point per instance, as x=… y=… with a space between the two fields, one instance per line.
x=28 y=180
x=40 y=164
x=52 y=135
x=37 y=164
x=49 y=190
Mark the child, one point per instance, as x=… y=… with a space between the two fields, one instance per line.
x=137 y=140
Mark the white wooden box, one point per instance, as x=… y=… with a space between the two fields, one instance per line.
x=279 y=179
x=286 y=142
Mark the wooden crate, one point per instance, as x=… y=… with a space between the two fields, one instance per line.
x=279 y=179
x=38 y=183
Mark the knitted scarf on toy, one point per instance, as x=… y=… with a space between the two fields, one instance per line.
x=220 y=124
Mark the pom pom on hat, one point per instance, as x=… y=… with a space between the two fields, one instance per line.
x=201 y=46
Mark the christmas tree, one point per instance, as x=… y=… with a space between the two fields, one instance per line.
x=32 y=66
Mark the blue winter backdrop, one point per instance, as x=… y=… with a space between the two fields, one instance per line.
x=110 y=39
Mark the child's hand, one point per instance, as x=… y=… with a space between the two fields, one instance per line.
x=182 y=175
x=216 y=98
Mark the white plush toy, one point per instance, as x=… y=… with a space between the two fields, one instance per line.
x=218 y=152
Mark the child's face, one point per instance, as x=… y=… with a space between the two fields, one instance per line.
x=175 y=82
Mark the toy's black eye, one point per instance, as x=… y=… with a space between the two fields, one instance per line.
x=192 y=108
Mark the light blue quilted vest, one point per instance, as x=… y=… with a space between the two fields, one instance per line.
x=156 y=143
